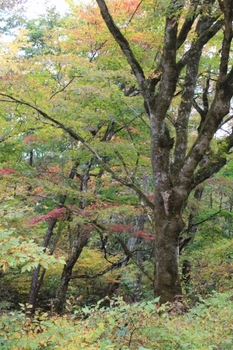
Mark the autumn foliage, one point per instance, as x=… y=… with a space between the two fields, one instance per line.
x=75 y=152
x=57 y=213
x=7 y=171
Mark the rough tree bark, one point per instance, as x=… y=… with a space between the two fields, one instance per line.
x=176 y=169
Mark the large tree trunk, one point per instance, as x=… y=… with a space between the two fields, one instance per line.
x=166 y=274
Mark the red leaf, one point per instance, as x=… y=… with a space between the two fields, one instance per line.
x=144 y=235
x=119 y=228
x=30 y=138
x=151 y=196
x=7 y=171
x=58 y=213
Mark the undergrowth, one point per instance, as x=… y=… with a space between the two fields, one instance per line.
x=144 y=325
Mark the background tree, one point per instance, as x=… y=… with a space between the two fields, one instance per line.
x=11 y=15
x=52 y=160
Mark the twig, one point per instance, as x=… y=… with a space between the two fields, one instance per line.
x=131 y=334
x=129 y=254
x=131 y=18
x=64 y=87
x=204 y=220
x=101 y=273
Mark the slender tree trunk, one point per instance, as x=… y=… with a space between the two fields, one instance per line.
x=140 y=222
x=80 y=239
x=31 y=158
x=192 y=228
x=37 y=276
x=77 y=242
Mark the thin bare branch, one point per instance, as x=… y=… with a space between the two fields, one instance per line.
x=137 y=7
x=99 y=274
x=64 y=87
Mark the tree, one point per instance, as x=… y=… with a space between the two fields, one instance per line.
x=177 y=168
x=56 y=78
x=11 y=14
x=185 y=94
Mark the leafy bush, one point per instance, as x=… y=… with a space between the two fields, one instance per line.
x=17 y=252
x=138 y=326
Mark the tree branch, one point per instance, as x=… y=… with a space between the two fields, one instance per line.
x=99 y=274
x=123 y=43
x=216 y=163
x=201 y=41
x=187 y=25
x=204 y=220
x=137 y=7
x=227 y=8
x=169 y=68
x=129 y=254
x=64 y=87
x=126 y=182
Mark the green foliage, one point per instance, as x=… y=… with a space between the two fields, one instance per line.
x=211 y=261
x=139 y=326
x=17 y=252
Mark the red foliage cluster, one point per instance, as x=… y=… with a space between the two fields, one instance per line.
x=28 y=139
x=144 y=235
x=130 y=6
x=139 y=233
x=7 y=171
x=119 y=228
x=94 y=208
x=151 y=196
x=58 y=213
x=133 y=130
